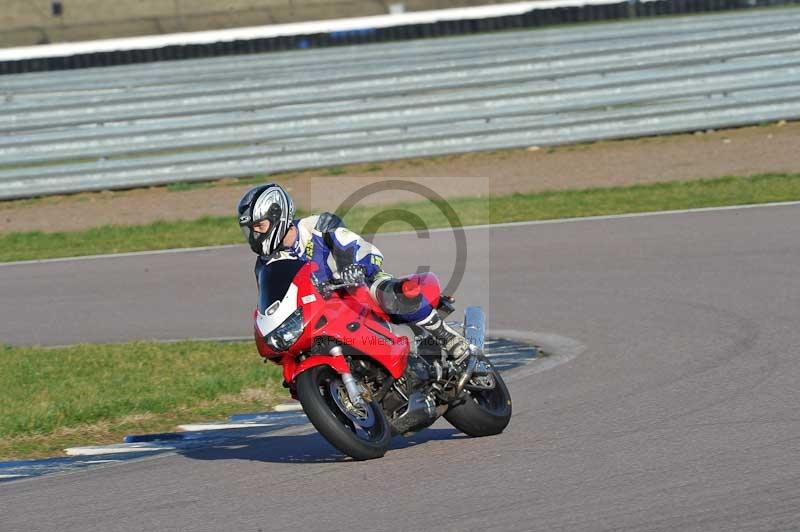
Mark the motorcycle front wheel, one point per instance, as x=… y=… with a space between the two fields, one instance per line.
x=362 y=432
x=483 y=412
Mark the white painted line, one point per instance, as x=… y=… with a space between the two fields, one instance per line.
x=605 y=217
x=167 y=341
x=439 y=230
x=252 y=417
x=117 y=449
x=220 y=426
x=121 y=255
x=289 y=407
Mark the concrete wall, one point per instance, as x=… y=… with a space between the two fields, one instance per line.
x=26 y=22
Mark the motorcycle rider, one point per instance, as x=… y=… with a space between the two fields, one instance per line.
x=266 y=217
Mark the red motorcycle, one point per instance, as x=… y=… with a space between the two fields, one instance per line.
x=362 y=379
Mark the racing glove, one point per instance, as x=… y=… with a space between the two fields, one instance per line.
x=352 y=274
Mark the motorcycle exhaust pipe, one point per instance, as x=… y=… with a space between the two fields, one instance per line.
x=421 y=409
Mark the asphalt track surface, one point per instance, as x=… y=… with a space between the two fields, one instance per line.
x=681 y=413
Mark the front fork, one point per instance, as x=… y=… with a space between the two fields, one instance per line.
x=350 y=384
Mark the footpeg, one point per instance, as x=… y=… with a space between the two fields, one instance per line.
x=482 y=369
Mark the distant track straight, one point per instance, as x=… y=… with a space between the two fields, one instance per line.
x=404 y=233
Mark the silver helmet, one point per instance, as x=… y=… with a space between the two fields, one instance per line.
x=266 y=202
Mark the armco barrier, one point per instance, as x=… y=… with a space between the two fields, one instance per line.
x=142 y=125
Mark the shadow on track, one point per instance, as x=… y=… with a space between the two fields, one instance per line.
x=306 y=448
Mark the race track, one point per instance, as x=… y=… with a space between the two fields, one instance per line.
x=681 y=414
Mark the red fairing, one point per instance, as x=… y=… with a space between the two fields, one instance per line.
x=292 y=368
x=351 y=317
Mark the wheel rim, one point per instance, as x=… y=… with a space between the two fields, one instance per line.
x=363 y=416
x=362 y=422
x=494 y=401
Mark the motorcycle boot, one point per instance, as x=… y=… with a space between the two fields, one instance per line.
x=456 y=346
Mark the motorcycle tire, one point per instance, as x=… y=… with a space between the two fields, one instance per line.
x=342 y=430
x=483 y=413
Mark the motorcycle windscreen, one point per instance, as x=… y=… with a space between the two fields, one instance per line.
x=274 y=280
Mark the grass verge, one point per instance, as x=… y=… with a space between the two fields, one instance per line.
x=518 y=207
x=96 y=394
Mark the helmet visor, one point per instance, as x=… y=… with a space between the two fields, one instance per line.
x=246 y=231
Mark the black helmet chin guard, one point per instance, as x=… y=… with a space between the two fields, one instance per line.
x=266 y=202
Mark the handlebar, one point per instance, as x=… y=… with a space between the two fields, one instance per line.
x=331 y=285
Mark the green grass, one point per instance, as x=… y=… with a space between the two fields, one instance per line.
x=336 y=170
x=114 y=239
x=94 y=394
x=183 y=187
x=518 y=207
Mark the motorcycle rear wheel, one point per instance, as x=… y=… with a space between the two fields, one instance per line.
x=483 y=413
x=362 y=435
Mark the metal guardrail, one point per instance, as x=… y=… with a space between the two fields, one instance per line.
x=150 y=124
x=408 y=54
